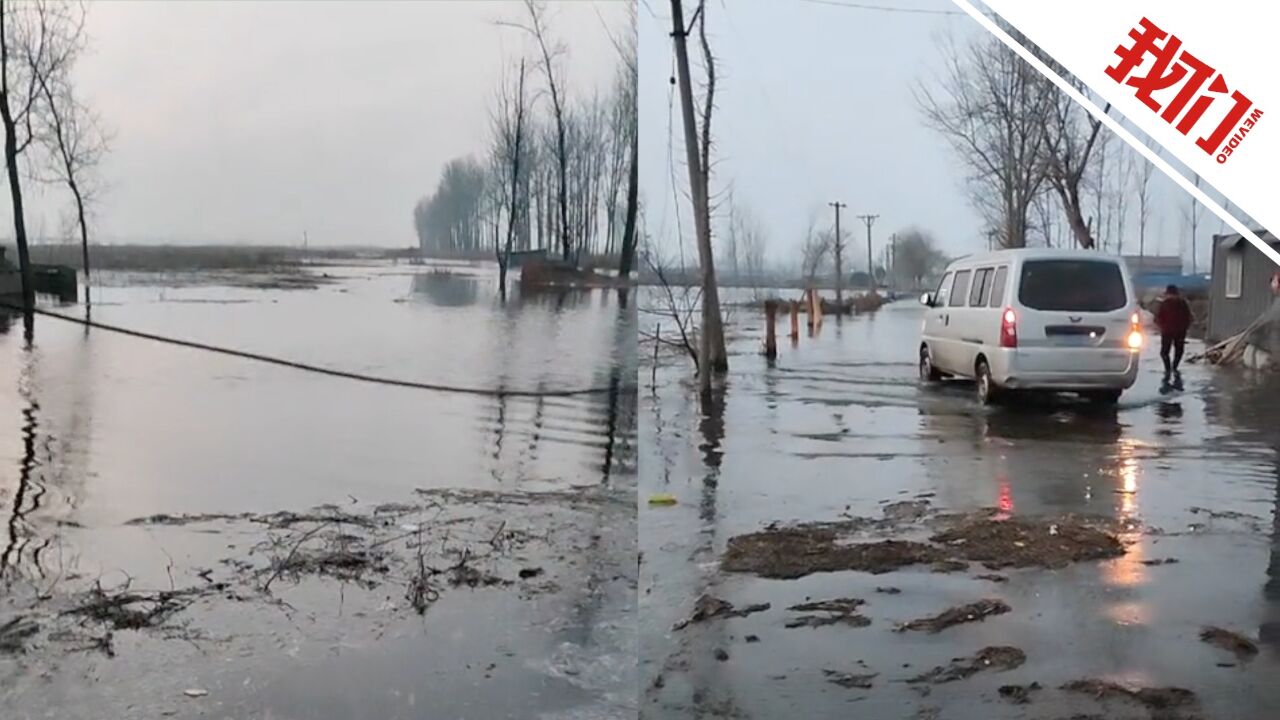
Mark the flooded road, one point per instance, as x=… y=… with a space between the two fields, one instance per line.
x=204 y=481
x=838 y=428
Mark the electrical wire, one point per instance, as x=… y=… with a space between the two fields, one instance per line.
x=332 y=372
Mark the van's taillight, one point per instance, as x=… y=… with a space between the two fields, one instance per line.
x=1008 y=329
x=1134 y=340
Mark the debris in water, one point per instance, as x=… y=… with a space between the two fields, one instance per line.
x=1159 y=698
x=530 y=572
x=752 y=638
x=1160 y=561
x=128 y=610
x=840 y=611
x=972 y=612
x=1001 y=658
x=787 y=553
x=888 y=590
x=850 y=680
x=721 y=654
x=1243 y=647
x=993 y=577
x=14 y=634
x=949 y=566
x=662 y=499
x=709 y=607
x=906 y=510
x=195 y=692
x=1022 y=542
x=1018 y=694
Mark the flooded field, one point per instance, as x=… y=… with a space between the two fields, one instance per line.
x=848 y=543
x=195 y=535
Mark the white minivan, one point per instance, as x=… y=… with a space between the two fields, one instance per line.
x=1034 y=319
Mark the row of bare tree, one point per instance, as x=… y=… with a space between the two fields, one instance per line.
x=50 y=136
x=1038 y=163
x=559 y=175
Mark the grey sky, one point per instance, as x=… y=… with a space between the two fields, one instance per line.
x=252 y=121
x=815 y=104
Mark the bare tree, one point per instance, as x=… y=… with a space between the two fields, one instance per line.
x=509 y=131
x=1120 y=195
x=1192 y=215
x=1071 y=137
x=992 y=107
x=626 y=135
x=815 y=253
x=11 y=150
x=753 y=245
x=711 y=347
x=676 y=303
x=38 y=43
x=917 y=256
x=1145 y=170
x=549 y=52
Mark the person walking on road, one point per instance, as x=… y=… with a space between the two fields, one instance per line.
x=1173 y=317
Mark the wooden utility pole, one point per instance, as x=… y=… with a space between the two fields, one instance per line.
x=893 y=261
x=711 y=350
x=871 y=270
x=838 y=248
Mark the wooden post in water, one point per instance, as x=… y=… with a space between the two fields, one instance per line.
x=770 y=335
x=795 y=321
x=817 y=307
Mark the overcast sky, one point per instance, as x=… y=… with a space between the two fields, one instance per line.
x=252 y=121
x=815 y=104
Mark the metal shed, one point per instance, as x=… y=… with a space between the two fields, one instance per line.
x=1240 y=286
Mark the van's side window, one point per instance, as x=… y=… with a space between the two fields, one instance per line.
x=981 y=284
x=959 y=289
x=997 y=286
x=944 y=290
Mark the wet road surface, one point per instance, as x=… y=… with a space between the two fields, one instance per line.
x=839 y=426
x=98 y=430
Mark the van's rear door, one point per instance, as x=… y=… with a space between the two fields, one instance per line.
x=1073 y=315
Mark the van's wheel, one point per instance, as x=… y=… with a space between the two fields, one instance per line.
x=1104 y=397
x=987 y=390
x=928 y=373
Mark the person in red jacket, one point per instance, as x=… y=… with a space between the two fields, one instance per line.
x=1173 y=317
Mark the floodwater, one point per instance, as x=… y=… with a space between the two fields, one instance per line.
x=839 y=426
x=98 y=429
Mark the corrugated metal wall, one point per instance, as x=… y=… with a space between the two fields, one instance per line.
x=1228 y=316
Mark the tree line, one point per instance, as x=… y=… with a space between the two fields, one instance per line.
x=559 y=173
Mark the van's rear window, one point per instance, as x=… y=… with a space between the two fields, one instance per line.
x=1072 y=286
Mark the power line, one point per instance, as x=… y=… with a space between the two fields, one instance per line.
x=882 y=8
x=332 y=372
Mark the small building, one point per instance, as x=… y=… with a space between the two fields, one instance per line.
x=1241 y=288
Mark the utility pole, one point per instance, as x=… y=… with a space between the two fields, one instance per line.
x=839 y=251
x=893 y=261
x=871 y=270
x=712 y=357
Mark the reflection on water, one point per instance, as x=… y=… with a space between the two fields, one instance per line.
x=97 y=428
x=446 y=289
